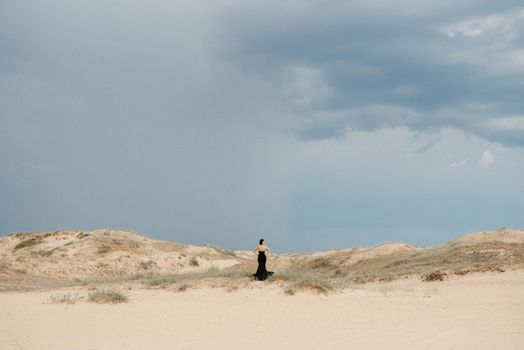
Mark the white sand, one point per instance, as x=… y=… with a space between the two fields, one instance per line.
x=474 y=312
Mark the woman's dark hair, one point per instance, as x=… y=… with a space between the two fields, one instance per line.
x=261 y=241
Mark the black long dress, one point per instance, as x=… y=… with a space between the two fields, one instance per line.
x=262 y=273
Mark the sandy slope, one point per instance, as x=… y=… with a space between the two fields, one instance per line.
x=478 y=311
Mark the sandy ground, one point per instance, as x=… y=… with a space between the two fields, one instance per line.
x=484 y=311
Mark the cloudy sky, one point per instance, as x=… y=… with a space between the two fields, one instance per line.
x=313 y=124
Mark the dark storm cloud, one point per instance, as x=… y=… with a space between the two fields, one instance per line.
x=432 y=61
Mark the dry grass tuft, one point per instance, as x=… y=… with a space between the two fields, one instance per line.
x=183 y=287
x=103 y=249
x=434 y=276
x=81 y=235
x=147 y=265
x=107 y=297
x=290 y=290
x=194 y=262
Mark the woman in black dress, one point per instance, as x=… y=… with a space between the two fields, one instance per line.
x=261 y=250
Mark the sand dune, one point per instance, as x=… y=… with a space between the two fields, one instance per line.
x=505 y=234
x=77 y=254
x=27 y=259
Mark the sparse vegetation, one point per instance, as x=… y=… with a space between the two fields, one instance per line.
x=232 y=288
x=299 y=280
x=221 y=250
x=434 y=276
x=10 y=288
x=147 y=265
x=67 y=298
x=33 y=240
x=322 y=263
x=161 y=280
x=103 y=249
x=183 y=287
x=44 y=253
x=291 y=290
x=194 y=262
x=107 y=297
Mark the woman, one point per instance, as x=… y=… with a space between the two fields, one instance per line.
x=261 y=250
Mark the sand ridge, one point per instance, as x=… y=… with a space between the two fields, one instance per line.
x=28 y=258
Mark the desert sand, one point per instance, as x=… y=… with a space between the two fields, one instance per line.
x=480 y=311
x=464 y=294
